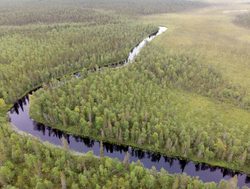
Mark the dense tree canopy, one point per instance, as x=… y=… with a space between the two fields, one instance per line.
x=138 y=105
x=23 y=12
x=34 y=54
x=52 y=168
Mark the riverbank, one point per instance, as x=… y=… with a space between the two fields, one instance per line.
x=233 y=167
x=149 y=148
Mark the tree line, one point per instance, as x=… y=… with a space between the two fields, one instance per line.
x=24 y=12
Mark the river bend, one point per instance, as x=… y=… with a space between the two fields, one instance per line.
x=20 y=119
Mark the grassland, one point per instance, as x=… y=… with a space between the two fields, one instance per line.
x=212 y=36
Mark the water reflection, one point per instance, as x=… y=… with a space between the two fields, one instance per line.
x=19 y=116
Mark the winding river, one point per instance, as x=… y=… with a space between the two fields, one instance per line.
x=21 y=121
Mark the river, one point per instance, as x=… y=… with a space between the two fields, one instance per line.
x=19 y=117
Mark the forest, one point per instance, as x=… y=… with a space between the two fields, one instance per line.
x=35 y=54
x=144 y=110
x=170 y=100
x=58 y=168
x=61 y=11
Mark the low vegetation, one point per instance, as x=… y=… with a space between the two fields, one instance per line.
x=184 y=71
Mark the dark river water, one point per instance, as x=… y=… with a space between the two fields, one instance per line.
x=19 y=117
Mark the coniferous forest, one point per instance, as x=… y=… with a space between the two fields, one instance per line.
x=185 y=95
x=144 y=111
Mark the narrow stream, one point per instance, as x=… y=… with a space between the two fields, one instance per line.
x=19 y=117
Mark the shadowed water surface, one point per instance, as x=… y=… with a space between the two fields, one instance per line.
x=19 y=116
